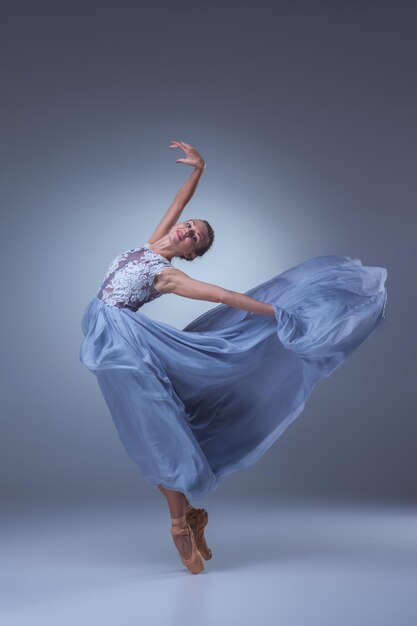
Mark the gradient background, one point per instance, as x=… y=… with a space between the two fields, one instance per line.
x=306 y=115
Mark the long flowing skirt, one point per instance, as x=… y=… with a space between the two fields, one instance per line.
x=191 y=406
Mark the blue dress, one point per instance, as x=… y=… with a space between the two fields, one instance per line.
x=191 y=406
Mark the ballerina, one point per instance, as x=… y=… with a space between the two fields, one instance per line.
x=191 y=406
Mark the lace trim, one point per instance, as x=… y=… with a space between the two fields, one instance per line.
x=129 y=280
x=146 y=245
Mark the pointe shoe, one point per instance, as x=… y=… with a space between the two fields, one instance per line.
x=197 y=520
x=195 y=562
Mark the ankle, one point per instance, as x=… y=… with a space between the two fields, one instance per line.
x=178 y=521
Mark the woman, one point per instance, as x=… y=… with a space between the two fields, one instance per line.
x=193 y=405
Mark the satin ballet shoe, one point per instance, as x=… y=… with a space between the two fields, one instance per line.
x=197 y=520
x=195 y=562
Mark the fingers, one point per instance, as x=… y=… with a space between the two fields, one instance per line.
x=190 y=152
x=177 y=144
x=185 y=161
x=181 y=144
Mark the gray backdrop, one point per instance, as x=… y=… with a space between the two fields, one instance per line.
x=305 y=114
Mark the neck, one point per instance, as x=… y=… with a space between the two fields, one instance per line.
x=163 y=247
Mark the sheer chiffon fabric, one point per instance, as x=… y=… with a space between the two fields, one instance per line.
x=191 y=406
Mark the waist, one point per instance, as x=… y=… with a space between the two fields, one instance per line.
x=118 y=305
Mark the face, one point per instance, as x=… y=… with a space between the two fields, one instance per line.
x=189 y=236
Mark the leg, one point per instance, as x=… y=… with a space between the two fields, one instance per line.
x=196 y=518
x=172 y=498
x=177 y=503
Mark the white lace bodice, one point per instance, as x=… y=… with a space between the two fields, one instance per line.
x=129 y=279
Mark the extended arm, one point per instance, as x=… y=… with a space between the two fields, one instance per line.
x=185 y=193
x=175 y=281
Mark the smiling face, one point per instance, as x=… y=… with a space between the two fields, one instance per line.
x=188 y=237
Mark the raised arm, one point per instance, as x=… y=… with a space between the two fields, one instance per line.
x=186 y=192
x=175 y=281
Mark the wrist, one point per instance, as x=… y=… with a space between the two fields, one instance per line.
x=201 y=166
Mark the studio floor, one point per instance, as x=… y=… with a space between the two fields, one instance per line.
x=114 y=563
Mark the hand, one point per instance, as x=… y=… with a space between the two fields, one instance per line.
x=193 y=157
